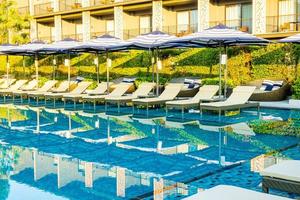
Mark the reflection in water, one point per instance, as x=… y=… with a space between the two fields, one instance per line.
x=98 y=156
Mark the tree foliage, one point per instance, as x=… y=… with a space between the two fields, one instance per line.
x=14 y=27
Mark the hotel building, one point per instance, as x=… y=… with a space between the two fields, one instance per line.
x=54 y=20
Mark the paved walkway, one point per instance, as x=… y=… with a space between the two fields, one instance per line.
x=280 y=104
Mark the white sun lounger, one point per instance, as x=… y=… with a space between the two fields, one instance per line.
x=206 y=93
x=226 y=192
x=284 y=176
x=170 y=93
x=22 y=92
x=119 y=90
x=237 y=100
x=7 y=82
x=81 y=87
x=8 y=92
x=143 y=90
x=42 y=90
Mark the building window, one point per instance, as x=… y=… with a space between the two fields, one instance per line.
x=110 y=27
x=287 y=11
x=187 y=21
x=239 y=16
x=145 y=24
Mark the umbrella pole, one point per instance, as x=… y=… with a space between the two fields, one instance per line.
x=157 y=75
x=107 y=72
x=36 y=64
x=24 y=65
x=225 y=74
x=69 y=70
x=97 y=67
x=7 y=68
x=220 y=76
x=54 y=66
x=152 y=63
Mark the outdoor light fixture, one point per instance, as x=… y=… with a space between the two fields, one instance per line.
x=54 y=61
x=152 y=60
x=159 y=65
x=67 y=62
x=108 y=62
x=223 y=59
x=96 y=61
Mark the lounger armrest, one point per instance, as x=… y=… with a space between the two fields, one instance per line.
x=147 y=96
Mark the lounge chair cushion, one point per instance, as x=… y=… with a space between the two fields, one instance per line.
x=287 y=170
x=128 y=80
x=225 y=192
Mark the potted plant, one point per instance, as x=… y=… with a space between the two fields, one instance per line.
x=296 y=93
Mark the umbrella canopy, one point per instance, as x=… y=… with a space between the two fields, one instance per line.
x=153 y=40
x=60 y=47
x=102 y=44
x=6 y=47
x=221 y=35
x=292 y=39
x=26 y=49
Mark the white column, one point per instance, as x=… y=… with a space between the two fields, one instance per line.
x=259 y=16
x=203 y=14
x=31 y=7
x=56 y=5
x=119 y=21
x=157 y=15
x=33 y=30
x=58 y=29
x=86 y=25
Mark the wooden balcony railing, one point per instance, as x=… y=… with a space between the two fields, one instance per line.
x=66 y=5
x=244 y=25
x=44 y=8
x=181 y=30
x=283 y=23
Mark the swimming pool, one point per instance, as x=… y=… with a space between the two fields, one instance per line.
x=59 y=154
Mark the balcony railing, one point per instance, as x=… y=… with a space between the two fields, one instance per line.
x=283 y=23
x=47 y=39
x=181 y=30
x=78 y=37
x=131 y=33
x=44 y=8
x=101 y=2
x=244 y=25
x=66 y=5
x=97 y=34
x=23 y=10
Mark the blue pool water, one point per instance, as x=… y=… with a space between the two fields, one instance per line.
x=57 y=154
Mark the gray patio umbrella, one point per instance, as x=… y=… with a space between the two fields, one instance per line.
x=30 y=49
x=153 y=41
x=221 y=36
x=61 y=47
x=102 y=44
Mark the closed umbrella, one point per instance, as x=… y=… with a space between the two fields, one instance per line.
x=221 y=36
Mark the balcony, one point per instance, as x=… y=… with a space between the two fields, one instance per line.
x=67 y=5
x=131 y=33
x=244 y=25
x=283 y=23
x=78 y=37
x=97 y=34
x=101 y=2
x=47 y=39
x=23 y=10
x=181 y=30
x=44 y=8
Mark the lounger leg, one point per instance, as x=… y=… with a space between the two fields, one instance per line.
x=219 y=115
x=4 y=98
x=28 y=99
x=13 y=98
x=83 y=105
x=105 y=106
x=119 y=107
x=147 y=110
x=64 y=103
x=37 y=100
x=21 y=99
x=74 y=104
x=182 y=112
x=54 y=102
x=265 y=188
x=94 y=105
x=166 y=111
x=133 y=109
